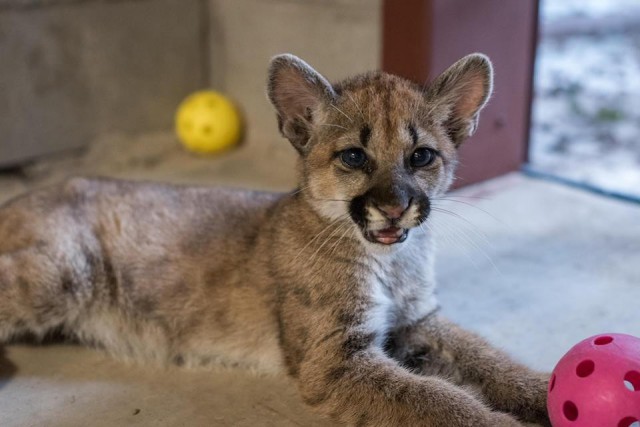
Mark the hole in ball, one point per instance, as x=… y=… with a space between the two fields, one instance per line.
x=552 y=383
x=603 y=340
x=632 y=380
x=629 y=422
x=207 y=130
x=585 y=368
x=570 y=410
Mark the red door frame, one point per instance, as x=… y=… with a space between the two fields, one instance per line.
x=422 y=37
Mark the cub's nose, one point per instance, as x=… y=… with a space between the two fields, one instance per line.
x=394 y=212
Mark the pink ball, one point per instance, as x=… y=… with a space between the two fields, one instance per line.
x=597 y=384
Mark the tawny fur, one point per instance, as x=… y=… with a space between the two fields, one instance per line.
x=292 y=281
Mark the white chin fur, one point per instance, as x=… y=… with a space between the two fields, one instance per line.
x=331 y=210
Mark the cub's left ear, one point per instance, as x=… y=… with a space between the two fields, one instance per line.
x=459 y=94
x=297 y=91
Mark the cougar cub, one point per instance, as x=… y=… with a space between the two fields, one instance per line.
x=332 y=282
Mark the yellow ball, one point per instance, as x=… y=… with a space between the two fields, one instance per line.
x=207 y=122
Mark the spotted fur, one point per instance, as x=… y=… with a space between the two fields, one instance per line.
x=332 y=283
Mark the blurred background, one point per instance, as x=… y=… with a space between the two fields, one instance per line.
x=98 y=82
x=586 y=115
x=91 y=87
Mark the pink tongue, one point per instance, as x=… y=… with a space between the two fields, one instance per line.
x=387 y=232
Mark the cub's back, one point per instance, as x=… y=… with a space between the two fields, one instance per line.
x=137 y=217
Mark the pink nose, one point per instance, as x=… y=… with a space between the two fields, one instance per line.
x=392 y=212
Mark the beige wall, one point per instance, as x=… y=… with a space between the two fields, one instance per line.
x=76 y=71
x=337 y=37
x=73 y=71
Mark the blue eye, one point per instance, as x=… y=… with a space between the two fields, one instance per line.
x=355 y=158
x=422 y=157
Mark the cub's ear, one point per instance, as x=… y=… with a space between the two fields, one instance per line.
x=459 y=93
x=296 y=90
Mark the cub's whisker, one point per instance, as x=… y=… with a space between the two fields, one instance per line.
x=332 y=223
x=342 y=112
x=456 y=215
x=330 y=200
x=299 y=190
x=314 y=256
x=356 y=104
x=337 y=243
x=466 y=236
x=460 y=196
x=332 y=125
x=471 y=205
x=451 y=239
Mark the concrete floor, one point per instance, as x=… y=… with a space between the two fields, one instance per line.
x=532 y=265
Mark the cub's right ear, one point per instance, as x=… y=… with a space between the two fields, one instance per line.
x=296 y=90
x=460 y=93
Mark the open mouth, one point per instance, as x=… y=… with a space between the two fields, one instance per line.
x=387 y=236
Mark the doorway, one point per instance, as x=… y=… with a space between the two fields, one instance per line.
x=586 y=107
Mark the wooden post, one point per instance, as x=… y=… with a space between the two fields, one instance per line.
x=421 y=38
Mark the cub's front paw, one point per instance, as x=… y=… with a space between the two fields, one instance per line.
x=526 y=398
x=538 y=411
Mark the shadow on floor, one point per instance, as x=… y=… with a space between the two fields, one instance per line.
x=7 y=368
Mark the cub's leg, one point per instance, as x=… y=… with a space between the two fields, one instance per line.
x=48 y=266
x=35 y=295
x=68 y=262
x=435 y=345
x=344 y=374
x=41 y=289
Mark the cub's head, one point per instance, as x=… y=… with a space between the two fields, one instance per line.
x=375 y=148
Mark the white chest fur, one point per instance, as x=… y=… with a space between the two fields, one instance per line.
x=400 y=287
